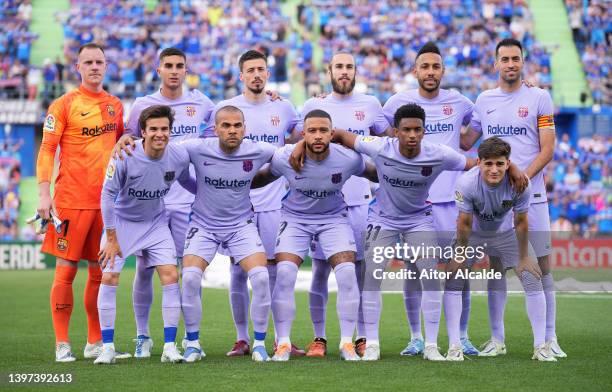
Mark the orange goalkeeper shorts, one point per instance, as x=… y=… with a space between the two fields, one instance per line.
x=79 y=238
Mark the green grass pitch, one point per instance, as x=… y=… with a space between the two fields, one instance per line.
x=26 y=341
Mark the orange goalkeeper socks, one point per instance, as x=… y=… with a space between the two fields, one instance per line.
x=62 y=300
x=92 y=287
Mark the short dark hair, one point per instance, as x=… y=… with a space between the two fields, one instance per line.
x=171 y=52
x=508 y=42
x=429 y=47
x=228 y=108
x=494 y=147
x=156 y=111
x=317 y=113
x=411 y=110
x=251 y=55
x=90 y=45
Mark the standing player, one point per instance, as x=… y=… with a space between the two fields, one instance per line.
x=485 y=198
x=361 y=114
x=85 y=123
x=135 y=220
x=524 y=118
x=192 y=109
x=223 y=217
x=315 y=210
x=270 y=121
x=447 y=112
x=407 y=167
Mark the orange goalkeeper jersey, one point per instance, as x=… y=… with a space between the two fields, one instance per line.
x=86 y=126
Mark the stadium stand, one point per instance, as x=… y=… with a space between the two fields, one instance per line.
x=10 y=177
x=591 y=24
x=578 y=185
x=15 y=46
x=386 y=36
x=213 y=35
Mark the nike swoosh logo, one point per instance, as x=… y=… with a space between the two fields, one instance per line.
x=299 y=178
x=491 y=111
x=135 y=177
x=208 y=164
x=85 y=114
x=388 y=164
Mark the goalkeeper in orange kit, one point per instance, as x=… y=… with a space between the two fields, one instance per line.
x=85 y=123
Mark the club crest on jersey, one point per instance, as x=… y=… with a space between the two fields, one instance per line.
x=110 y=109
x=447 y=110
x=426 y=171
x=359 y=115
x=190 y=111
x=62 y=244
x=169 y=176
x=275 y=120
x=523 y=111
x=336 y=178
x=507 y=203
x=247 y=165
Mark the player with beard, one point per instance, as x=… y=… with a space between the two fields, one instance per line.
x=523 y=117
x=315 y=208
x=363 y=115
x=447 y=113
x=272 y=121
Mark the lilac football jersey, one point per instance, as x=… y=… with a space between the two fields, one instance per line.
x=491 y=206
x=191 y=113
x=515 y=117
x=358 y=113
x=445 y=115
x=222 y=201
x=270 y=122
x=315 y=193
x=401 y=199
x=135 y=187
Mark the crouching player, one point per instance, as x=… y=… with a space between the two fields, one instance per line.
x=315 y=209
x=223 y=217
x=485 y=197
x=135 y=220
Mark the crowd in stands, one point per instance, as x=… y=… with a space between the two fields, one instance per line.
x=213 y=34
x=10 y=176
x=386 y=36
x=591 y=24
x=578 y=184
x=15 y=46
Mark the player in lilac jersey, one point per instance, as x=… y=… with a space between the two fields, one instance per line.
x=315 y=210
x=361 y=114
x=447 y=113
x=192 y=110
x=400 y=214
x=135 y=221
x=223 y=217
x=269 y=120
x=524 y=117
x=486 y=199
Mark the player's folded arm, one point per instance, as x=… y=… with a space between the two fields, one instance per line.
x=547 y=150
x=188 y=182
x=370 y=172
x=263 y=178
